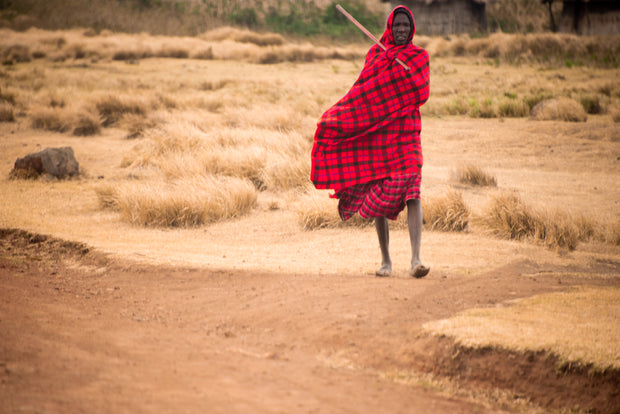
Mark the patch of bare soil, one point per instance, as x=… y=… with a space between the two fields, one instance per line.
x=82 y=332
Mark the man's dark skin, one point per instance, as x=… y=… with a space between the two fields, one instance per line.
x=401 y=28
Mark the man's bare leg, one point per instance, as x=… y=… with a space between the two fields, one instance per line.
x=383 y=233
x=414 y=221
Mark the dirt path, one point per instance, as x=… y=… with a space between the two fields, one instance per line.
x=80 y=332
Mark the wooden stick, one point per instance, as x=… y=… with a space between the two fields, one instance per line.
x=366 y=32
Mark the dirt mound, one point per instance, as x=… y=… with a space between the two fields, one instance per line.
x=20 y=243
x=139 y=337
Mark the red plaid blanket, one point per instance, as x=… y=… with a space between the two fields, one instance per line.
x=374 y=130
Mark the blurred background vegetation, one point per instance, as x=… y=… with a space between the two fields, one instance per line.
x=316 y=19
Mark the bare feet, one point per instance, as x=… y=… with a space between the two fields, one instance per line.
x=384 y=271
x=419 y=271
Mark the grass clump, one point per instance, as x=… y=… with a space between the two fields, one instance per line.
x=7 y=112
x=447 y=213
x=474 y=175
x=111 y=108
x=509 y=217
x=316 y=211
x=50 y=119
x=514 y=108
x=591 y=104
x=187 y=202
x=243 y=36
x=86 y=124
x=559 y=109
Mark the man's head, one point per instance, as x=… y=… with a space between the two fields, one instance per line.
x=401 y=27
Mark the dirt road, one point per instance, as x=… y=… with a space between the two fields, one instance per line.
x=80 y=332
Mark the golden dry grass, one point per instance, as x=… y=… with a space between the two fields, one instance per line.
x=7 y=112
x=112 y=108
x=446 y=213
x=256 y=126
x=508 y=216
x=315 y=210
x=580 y=326
x=50 y=119
x=243 y=36
x=474 y=175
x=560 y=109
x=186 y=202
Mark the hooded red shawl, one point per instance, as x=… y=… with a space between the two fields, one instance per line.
x=374 y=130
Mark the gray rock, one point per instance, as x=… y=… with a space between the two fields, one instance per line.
x=58 y=162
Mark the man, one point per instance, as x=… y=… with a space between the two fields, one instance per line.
x=367 y=146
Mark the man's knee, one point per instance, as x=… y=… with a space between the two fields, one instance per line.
x=413 y=203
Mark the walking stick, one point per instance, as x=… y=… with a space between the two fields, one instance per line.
x=367 y=33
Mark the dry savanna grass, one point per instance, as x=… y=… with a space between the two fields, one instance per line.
x=274 y=160
x=82 y=122
x=316 y=210
x=257 y=126
x=50 y=119
x=111 y=108
x=582 y=337
x=560 y=109
x=7 y=112
x=509 y=217
x=446 y=213
x=545 y=48
x=473 y=175
x=243 y=36
x=221 y=43
x=186 y=202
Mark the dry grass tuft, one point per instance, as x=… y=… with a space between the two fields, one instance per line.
x=615 y=113
x=29 y=173
x=591 y=104
x=302 y=53
x=7 y=112
x=316 y=210
x=243 y=36
x=187 y=202
x=136 y=124
x=284 y=171
x=107 y=196
x=86 y=124
x=14 y=53
x=474 y=175
x=511 y=218
x=576 y=326
x=447 y=213
x=612 y=234
x=514 y=108
x=203 y=53
x=559 y=109
x=112 y=108
x=50 y=119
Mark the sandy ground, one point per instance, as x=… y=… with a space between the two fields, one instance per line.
x=87 y=333
x=256 y=315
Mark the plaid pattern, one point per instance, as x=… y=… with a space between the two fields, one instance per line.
x=374 y=130
x=380 y=198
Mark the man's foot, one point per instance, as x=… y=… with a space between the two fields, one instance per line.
x=384 y=271
x=419 y=271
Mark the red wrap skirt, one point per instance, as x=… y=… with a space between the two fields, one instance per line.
x=386 y=197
